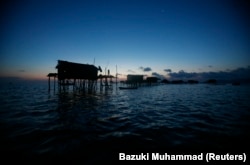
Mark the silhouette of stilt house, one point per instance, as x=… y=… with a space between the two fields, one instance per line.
x=134 y=80
x=151 y=80
x=80 y=76
x=52 y=75
x=106 y=77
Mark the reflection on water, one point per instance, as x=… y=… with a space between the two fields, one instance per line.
x=91 y=127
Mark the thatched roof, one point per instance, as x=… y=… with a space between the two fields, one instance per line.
x=71 y=70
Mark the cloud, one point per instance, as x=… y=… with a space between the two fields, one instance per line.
x=21 y=70
x=146 y=69
x=168 y=70
x=183 y=75
x=160 y=76
x=242 y=74
x=130 y=71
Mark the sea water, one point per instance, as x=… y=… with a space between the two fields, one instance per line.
x=79 y=126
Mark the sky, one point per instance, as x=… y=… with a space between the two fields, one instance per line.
x=163 y=38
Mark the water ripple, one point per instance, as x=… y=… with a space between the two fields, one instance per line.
x=167 y=116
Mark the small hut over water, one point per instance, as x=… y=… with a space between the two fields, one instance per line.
x=134 y=80
x=70 y=70
x=80 y=76
x=152 y=80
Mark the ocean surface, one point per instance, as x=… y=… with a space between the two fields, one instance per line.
x=89 y=127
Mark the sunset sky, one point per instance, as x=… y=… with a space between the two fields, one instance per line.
x=164 y=38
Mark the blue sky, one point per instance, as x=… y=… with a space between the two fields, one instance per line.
x=193 y=36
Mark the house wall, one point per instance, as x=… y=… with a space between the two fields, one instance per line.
x=69 y=70
x=152 y=79
x=135 y=78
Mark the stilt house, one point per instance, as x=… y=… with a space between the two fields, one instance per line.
x=70 y=70
x=134 y=80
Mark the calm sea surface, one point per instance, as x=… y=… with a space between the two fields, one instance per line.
x=35 y=123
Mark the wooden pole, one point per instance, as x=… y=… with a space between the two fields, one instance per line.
x=116 y=76
x=49 y=83
x=54 y=83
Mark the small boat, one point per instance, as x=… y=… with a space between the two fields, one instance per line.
x=128 y=87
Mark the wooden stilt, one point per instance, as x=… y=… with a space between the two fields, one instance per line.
x=54 y=83
x=51 y=75
x=49 y=83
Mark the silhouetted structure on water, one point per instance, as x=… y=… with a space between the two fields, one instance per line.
x=211 y=81
x=80 y=76
x=177 y=82
x=134 y=80
x=70 y=70
x=52 y=75
x=192 y=82
x=152 y=80
x=165 y=81
x=236 y=83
